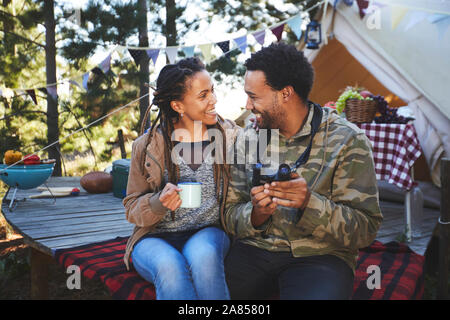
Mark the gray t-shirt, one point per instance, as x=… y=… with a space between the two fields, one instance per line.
x=194 y=218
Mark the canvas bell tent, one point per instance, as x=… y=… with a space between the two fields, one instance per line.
x=399 y=49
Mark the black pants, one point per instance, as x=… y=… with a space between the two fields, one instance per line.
x=254 y=273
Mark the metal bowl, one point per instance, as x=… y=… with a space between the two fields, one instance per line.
x=25 y=176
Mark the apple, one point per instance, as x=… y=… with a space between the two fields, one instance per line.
x=366 y=93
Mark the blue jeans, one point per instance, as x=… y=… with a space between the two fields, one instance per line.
x=184 y=265
x=254 y=273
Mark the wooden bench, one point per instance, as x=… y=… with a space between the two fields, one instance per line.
x=47 y=225
x=72 y=221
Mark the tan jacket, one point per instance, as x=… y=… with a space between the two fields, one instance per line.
x=142 y=205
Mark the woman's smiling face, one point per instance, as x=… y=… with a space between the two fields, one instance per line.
x=199 y=100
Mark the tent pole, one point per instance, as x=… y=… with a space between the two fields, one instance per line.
x=444 y=230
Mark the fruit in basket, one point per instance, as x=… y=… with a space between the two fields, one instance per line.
x=366 y=94
x=349 y=93
x=31 y=159
x=12 y=157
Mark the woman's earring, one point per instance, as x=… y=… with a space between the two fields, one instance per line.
x=181 y=115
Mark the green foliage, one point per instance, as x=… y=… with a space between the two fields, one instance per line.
x=13 y=267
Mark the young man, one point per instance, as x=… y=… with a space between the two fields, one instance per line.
x=299 y=238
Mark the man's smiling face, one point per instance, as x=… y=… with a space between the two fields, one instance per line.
x=263 y=101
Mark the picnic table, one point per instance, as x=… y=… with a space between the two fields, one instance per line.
x=49 y=224
x=395 y=149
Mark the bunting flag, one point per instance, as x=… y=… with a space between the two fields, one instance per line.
x=206 y=51
x=189 y=51
x=225 y=47
x=278 y=31
x=137 y=55
x=441 y=21
x=97 y=71
x=241 y=42
x=105 y=65
x=414 y=18
x=362 y=5
x=75 y=83
x=32 y=94
x=153 y=54
x=260 y=36
x=296 y=26
x=85 y=80
x=43 y=90
x=397 y=15
x=52 y=91
x=171 y=53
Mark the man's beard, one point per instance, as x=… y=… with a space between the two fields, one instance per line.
x=274 y=118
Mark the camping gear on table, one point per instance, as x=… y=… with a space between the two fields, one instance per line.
x=24 y=177
x=120 y=170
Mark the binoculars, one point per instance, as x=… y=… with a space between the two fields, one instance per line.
x=283 y=174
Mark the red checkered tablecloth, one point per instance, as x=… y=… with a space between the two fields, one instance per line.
x=395 y=148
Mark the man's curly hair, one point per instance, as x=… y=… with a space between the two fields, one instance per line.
x=283 y=65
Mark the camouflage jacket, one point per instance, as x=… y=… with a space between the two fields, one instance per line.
x=343 y=212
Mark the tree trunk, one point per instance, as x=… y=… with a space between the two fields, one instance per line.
x=171 y=27
x=144 y=75
x=52 y=102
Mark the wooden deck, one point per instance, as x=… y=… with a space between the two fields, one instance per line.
x=71 y=221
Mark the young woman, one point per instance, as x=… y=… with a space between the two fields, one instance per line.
x=180 y=250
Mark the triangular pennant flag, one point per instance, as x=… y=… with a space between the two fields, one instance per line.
x=136 y=54
x=241 y=42
x=153 y=54
x=397 y=15
x=171 y=53
x=85 y=80
x=362 y=5
x=442 y=22
x=52 y=91
x=278 y=31
x=225 y=47
x=97 y=71
x=105 y=65
x=296 y=26
x=260 y=36
x=43 y=90
x=434 y=18
x=32 y=94
x=75 y=83
x=414 y=18
x=189 y=51
x=206 y=51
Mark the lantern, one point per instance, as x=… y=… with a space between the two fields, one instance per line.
x=313 y=35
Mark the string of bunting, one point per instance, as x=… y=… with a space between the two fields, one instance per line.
x=137 y=53
x=442 y=21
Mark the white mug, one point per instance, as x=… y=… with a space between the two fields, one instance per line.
x=190 y=194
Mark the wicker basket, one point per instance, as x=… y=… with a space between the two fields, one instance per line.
x=360 y=111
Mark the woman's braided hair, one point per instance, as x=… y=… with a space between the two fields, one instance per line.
x=171 y=85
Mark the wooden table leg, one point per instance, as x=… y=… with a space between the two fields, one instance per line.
x=39 y=274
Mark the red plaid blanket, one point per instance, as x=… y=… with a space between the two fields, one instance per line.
x=401 y=270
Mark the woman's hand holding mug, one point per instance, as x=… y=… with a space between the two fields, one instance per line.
x=169 y=197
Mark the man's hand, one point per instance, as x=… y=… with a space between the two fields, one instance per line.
x=293 y=193
x=169 y=197
x=263 y=207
